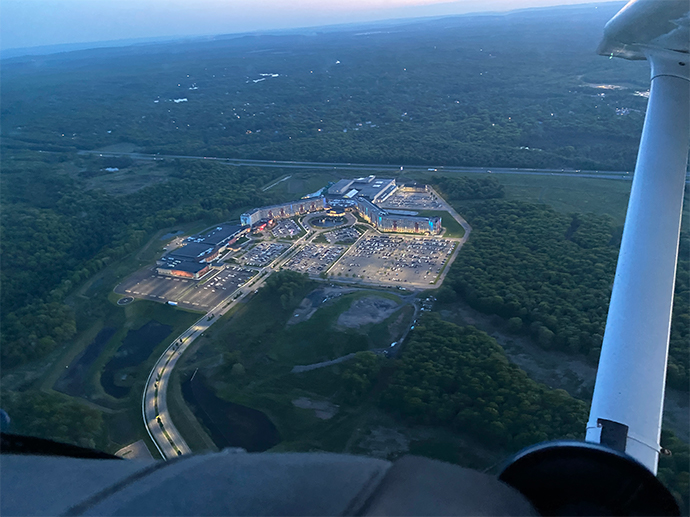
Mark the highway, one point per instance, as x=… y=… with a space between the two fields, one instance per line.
x=369 y=167
x=154 y=407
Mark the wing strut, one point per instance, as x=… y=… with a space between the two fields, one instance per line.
x=628 y=397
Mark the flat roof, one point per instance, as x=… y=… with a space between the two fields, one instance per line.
x=374 y=188
x=340 y=187
x=192 y=250
x=188 y=266
x=220 y=233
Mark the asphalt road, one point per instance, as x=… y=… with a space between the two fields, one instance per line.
x=368 y=167
x=154 y=407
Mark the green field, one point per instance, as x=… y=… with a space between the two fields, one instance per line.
x=564 y=193
x=567 y=194
x=268 y=349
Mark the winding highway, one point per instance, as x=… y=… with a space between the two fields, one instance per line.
x=154 y=407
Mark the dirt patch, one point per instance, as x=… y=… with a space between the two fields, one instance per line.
x=135 y=451
x=322 y=409
x=314 y=300
x=383 y=442
x=371 y=309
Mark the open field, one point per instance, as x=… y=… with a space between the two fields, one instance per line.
x=306 y=408
x=564 y=193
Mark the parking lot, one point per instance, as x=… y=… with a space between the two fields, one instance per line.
x=348 y=234
x=285 y=229
x=190 y=294
x=264 y=253
x=399 y=260
x=148 y=284
x=211 y=293
x=413 y=201
x=314 y=258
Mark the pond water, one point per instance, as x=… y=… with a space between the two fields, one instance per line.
x=72 y=380
x=230 y=425
x=136 y=348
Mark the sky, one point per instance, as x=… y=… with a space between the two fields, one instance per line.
x=30 y=23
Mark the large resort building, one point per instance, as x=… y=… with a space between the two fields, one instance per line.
x=194 y=258
x=359 y=195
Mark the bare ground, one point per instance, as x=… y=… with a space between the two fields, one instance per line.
x=314 y=300
x=371 y=309
x=322 y=409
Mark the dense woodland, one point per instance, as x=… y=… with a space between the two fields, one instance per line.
x=460 y=377
x=508 y=90
x=55 y=416
x=463 y=187
x=56 y=238
x=550 y=275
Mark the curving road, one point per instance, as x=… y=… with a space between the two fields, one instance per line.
x=154 y=407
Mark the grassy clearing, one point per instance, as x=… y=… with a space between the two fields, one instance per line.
x=302 y=183
x=268 y=351
x=567 y=194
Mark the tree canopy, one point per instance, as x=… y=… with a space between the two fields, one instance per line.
x=461 y=378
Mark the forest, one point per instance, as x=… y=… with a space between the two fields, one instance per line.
x=460 y=377
x=550 y=275
x=55 y=238
x=460 y=188
x=55 y=416
x=495 y=90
